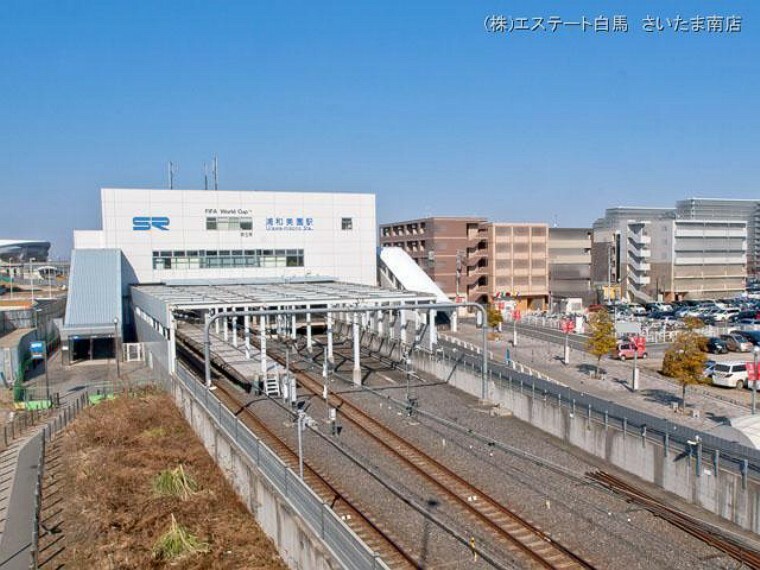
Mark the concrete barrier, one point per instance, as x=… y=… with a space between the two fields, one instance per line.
x=724 y=492
x=298 y=544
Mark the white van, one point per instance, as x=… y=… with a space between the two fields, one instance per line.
x=730 y=374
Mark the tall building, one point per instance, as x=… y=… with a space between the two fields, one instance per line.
x=448 y=249
x=199 y=234
x=477 y=260
x=650 y=254
x=728 y=209
x=570 y=264
x=518 y=263
x=610 y=246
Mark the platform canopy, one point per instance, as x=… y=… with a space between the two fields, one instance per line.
x=229 y=294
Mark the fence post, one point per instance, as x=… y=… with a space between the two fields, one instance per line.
x=699 y=459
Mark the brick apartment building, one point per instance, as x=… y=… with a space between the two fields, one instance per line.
x=475 y=259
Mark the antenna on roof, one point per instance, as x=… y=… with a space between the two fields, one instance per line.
x=205 y=176
x=172 y=171
x=216 y=173
x=555 y=221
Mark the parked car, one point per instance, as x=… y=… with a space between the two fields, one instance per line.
x=730 y=374
x=736 y=343
x=663 y=315
x=626 y=350
x=722 y=315
x=746 y=314
x=716 y=345
x=751 y=336
x=637 y=310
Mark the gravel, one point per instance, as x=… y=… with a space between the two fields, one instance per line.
x=549 y=490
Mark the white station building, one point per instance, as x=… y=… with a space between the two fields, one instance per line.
x=162 y=253
x=201 y=234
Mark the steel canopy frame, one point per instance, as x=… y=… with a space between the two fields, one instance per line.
x=355 y=309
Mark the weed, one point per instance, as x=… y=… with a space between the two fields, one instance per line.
x=177 y=542
x=175 y=483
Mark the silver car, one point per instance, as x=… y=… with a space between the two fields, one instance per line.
x=736 y=343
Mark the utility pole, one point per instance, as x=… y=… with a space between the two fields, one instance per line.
x=205 y=176
x=31 y=275
x=116 y=347
x=172 y=169
x=458 y=273
x=300 y=424
x=215 y=170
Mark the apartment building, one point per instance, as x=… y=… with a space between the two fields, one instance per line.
x=728 y=209
x=475 y=260
x=653 y=254
x=570 y=264
x=518 y=257
x=694 y=259
x=448 y=249
x=609 y=249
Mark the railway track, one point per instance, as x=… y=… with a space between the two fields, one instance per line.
x=520 y=537
x=374 y=536
x=704 y=532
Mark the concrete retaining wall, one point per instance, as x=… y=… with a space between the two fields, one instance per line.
x=722 y=491
x=298 y=545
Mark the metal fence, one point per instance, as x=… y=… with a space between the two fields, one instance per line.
x=65 y=415
x=349 y=549
x=670 y=435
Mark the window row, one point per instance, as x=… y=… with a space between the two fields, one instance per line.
x=233 y=223
x=213 y=259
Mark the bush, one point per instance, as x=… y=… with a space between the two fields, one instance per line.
x=176 y=543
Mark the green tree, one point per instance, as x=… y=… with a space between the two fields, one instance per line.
x=494 y=317
x=601 y=338
x=685 y=360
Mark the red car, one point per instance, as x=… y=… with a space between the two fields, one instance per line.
x=626 y=350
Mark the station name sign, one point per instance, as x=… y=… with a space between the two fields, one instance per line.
x=295 y=224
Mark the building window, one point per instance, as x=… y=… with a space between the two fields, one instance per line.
x=233 y=223
x=237 y=258
x=347 y=223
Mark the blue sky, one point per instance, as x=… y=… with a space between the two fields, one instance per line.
x=412 y=100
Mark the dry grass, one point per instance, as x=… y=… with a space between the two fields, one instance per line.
x=113 y=454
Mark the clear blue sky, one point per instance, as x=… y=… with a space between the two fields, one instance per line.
x=412 y=100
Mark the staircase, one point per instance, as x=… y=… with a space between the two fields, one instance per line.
x=272 y=386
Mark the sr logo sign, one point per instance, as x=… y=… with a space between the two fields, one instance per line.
x=145 y=223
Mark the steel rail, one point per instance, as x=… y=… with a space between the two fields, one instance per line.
x=706 y=533
x=391 y=552
x=522 y=535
